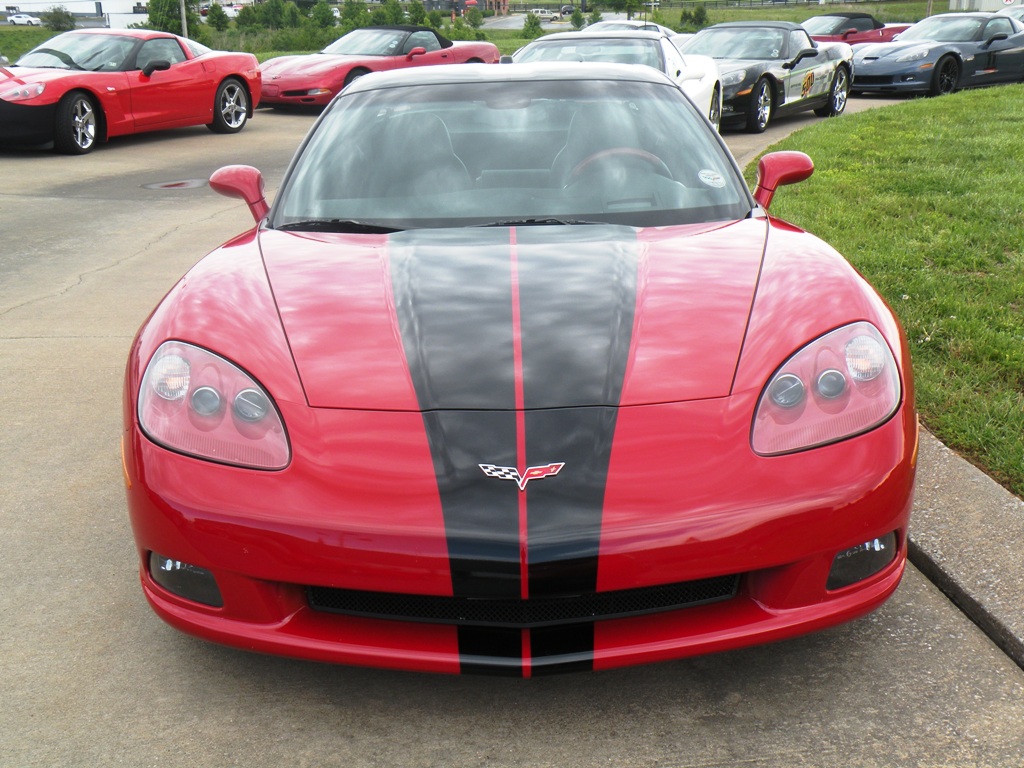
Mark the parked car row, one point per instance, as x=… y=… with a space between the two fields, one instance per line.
x=70 y=90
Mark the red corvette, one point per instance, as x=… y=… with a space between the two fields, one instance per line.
x=87 y=86
x=851 y=28
x=315 y=79
x=546 y=390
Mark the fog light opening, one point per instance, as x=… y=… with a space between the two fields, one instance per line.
x=185 y=580
x=860 y=562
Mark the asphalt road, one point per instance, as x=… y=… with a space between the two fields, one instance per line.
x=90 y=677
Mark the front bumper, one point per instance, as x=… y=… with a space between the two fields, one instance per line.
x=25 y=124
x=297 y=95
x=914 y=77
x=361 y=514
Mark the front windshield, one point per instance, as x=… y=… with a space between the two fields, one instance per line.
x=951 y=29
x=621 y=51
x=95 y=53
x=369 y=42
x=824 y=25
x=738 y=43
x=526 y=152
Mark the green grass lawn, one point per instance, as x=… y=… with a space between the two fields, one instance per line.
x=926 y=199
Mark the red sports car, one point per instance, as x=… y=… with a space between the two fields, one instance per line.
x=547 y=389
x=851 y=28
x=86 y=86
x=315 y=79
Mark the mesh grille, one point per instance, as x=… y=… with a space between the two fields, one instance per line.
x=538 y=612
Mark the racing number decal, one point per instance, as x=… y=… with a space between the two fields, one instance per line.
x=808 y=83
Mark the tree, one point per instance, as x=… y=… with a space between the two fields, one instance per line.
x=354 y=15
x=323 y=15
x=435 y=19
x=59 y=19
x=475 y=17
x=165 y=15
x=271 y=13
x=577 y=19
x=216 y=17
x=246 y=18
x=417 y=13
x=595 y=16
x=531 y=27
x=293 y=18
x=389 y=12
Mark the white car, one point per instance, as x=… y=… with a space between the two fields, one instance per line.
x=626 y=25
x=545 y=15
x=24 y=18
x=697 y=76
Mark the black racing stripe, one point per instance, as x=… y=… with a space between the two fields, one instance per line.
x=453 y=299
x=453 y=295
x=577 y=322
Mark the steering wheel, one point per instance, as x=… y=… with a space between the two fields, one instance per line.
x=619 y=152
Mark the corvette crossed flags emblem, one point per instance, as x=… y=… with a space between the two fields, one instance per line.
x=531 y=473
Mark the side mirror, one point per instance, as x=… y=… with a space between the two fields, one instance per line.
x=161 y=65
x=849 y=32
x=996 y=37
x=778 y=169
x=245 y=183
x=806 y=53
x=4 y=61
x=415 y=52
x=505 y=59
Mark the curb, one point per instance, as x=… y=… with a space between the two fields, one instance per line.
x=965 y=531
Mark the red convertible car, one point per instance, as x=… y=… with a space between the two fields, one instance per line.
x=851 y=28
x=87 y=86
x=315 y=79
x=548 y=389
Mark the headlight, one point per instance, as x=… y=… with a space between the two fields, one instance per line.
x=197 y=403
x=733 y=78
x=840 y=385
x=916 y=55
x=23 y=92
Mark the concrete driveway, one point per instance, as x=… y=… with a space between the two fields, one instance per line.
x=90 y=677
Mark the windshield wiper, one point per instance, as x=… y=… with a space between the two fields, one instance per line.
x=349 y=226
x=536 y=222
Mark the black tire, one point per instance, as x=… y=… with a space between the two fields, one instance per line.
x=354 y=75
x=76 y=126
x=715 y=112
x=837 y=96
x=762 y=104
x=946 y=76
x=230 y=107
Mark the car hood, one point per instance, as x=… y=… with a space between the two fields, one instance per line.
x=515 y=318
x=892 y=50
x=309 y=64
x=24 y=75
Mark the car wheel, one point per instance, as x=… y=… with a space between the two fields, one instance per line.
x=838 y=96
x=761 y=102
x=355 y=74
x=946 y=77
x=76 y=124
x=715 y=112
x=230 y=107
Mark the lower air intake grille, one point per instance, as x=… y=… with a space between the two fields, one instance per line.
x=537 y=612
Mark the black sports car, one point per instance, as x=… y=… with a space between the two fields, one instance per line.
x=772 y=68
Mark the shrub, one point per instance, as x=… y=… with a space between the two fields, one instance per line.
x=59 y=19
